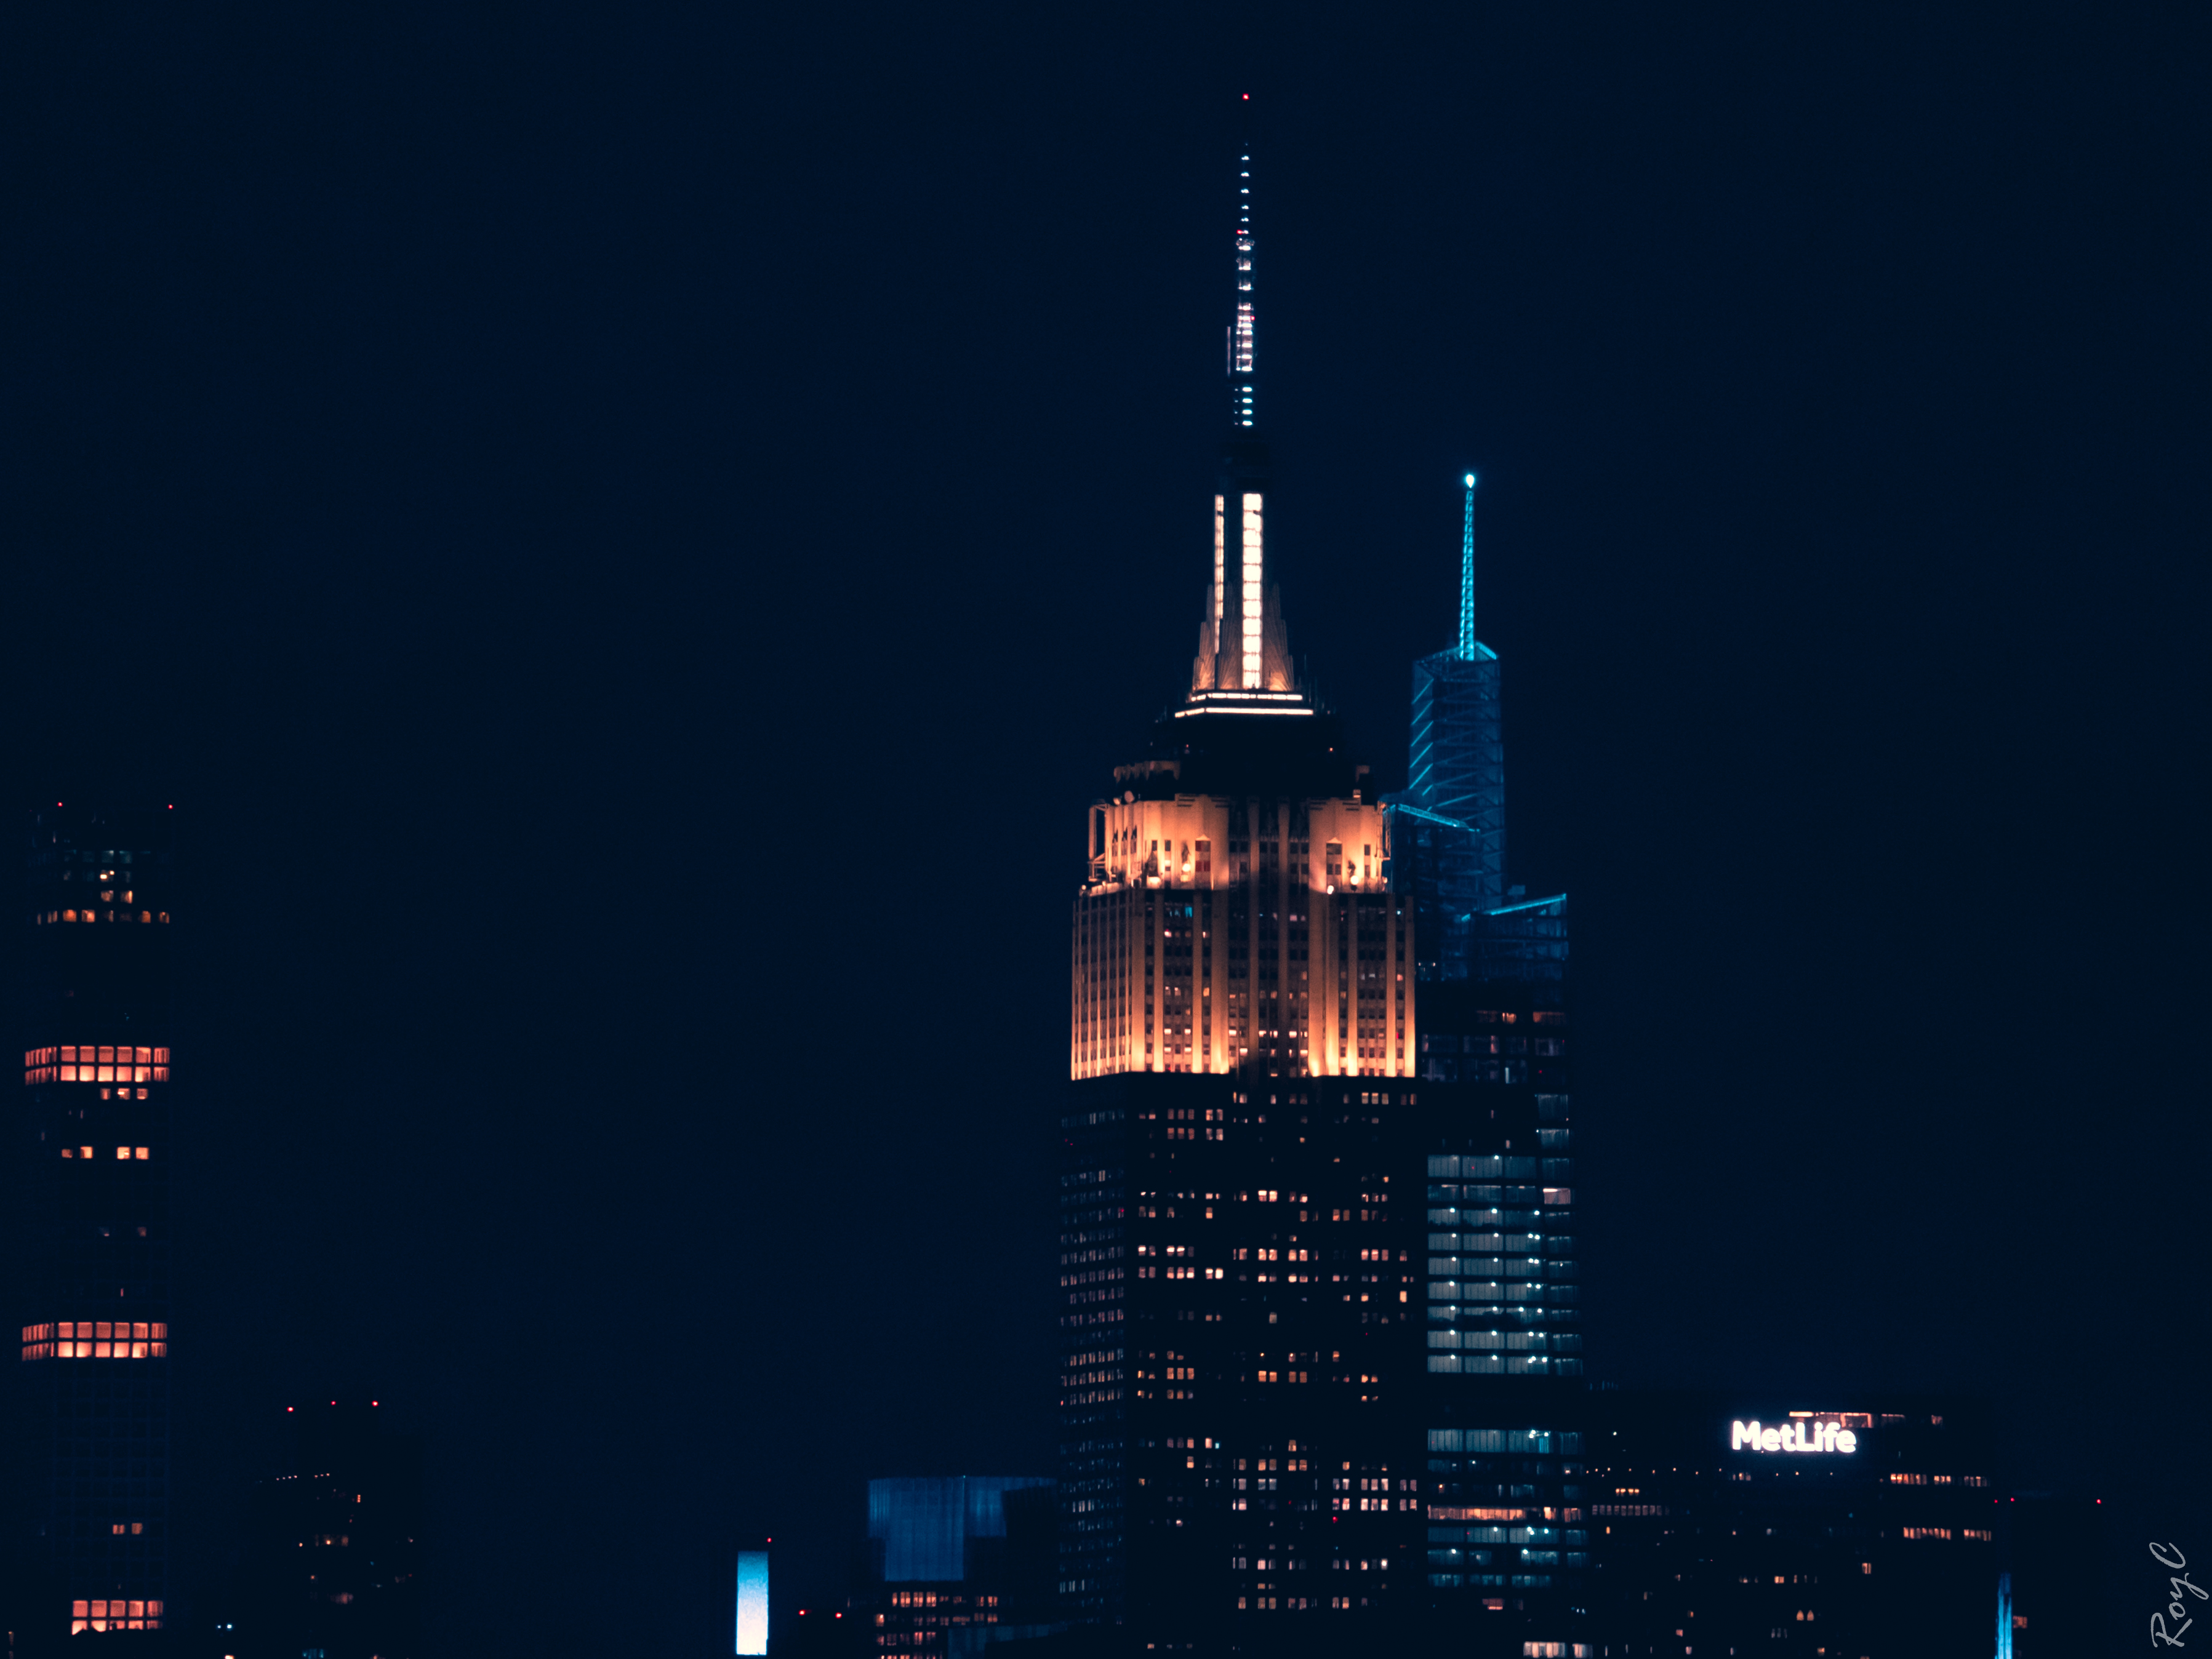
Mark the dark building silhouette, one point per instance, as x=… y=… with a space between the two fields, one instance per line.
x=953 y=1564
x=1720 y=1523
x=328 y=1565
x=2051 y=1553
x=1318 y=1297
x=88 y=1544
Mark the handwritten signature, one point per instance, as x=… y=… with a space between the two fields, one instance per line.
x=2176 y=1607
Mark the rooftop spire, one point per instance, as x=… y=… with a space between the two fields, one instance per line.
x=1467 y=577
x=1240 y=331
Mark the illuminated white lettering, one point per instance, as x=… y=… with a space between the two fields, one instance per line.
x=1826 y=1436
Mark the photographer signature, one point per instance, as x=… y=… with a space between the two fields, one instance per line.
x=2176 y=1607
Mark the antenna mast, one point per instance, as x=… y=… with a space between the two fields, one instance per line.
x=1467 y=577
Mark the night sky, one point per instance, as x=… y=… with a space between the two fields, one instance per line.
x=631 y=537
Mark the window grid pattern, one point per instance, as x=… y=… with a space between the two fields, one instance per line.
x=98 y=1339
x=96 y=1063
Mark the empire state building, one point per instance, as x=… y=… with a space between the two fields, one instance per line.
x=1236 y=914
x=1261 y=1359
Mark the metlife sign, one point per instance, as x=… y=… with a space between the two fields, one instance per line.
x=1802 y=1435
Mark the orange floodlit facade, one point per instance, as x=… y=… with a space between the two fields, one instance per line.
x=1216 y=929
x=1236 y=910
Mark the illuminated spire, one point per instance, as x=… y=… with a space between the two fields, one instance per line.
x=1240 y=331
x=1467 y=577
x=1243 y=661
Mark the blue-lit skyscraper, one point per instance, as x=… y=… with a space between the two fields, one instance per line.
x=1448 y=827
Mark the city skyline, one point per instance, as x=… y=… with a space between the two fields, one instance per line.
x=474 y=507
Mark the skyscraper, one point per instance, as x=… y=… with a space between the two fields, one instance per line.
x=89 y=1543
x=1451 y=817
x=1449 y=823
x=1270 y=1390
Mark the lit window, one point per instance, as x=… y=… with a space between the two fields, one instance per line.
x=114 y=1615
x=1220 y=571
x=87 y=1339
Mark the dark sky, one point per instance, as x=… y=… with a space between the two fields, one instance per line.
x=632 y=537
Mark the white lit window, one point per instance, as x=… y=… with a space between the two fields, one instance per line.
x=1220 y=564
x=1253 y=589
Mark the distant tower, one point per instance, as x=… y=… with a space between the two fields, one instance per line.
x=91 y=1283
x=1450 y=821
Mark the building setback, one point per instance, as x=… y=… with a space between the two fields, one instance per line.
x=89 y=1549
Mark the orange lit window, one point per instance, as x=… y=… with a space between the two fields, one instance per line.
x=101 y=1339
x=113 y=1615
x=85 y=1063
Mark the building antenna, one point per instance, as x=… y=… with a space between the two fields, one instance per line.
x=1240 y=331
x=1467 y=577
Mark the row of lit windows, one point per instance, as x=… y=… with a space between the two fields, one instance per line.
x=37 y=1074
x=1937 y=1480
x=113 y=1615
x=84 y=1063
x=41 y=919
x=1503 y=1364
x=1558 y=1340
x=104 y=1054
x=126 y=1153
x=97 y=1339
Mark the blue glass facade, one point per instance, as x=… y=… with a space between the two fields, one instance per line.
x=955 y=1563
x=1448 y=832
x=927 y=1528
